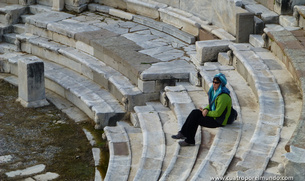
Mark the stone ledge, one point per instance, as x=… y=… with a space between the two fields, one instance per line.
x=79 y=91
x=97 y=103
x=153 y=144
x=170 y=16
x=208 y=50
x=148 y=9
x=89 y=66
x=122 y=54
x=229 y=135
x=43 y=19
x=263 y=84
x=181 y=104
x=267 y=15
x=170 y=29
x=164 y=70
x=292 y=58
x=186 y=37
x=120 y=153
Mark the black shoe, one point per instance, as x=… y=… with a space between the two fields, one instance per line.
x=184 y=143
x=178 y=136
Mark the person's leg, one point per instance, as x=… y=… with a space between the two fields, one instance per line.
x=192 y=122
x=190 y=126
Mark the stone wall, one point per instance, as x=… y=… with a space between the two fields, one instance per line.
x=281 y=7
x=222 y=13
x=45 y=2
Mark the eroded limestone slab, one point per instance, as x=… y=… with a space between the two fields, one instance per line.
x=208 y=50
x=28 y=171
x=43 y=19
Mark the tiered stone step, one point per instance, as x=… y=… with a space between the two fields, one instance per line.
x=171 y=19
x=169 y=128
x=119 y=151
x=87 y=65
x=153 y=150
x=95 y=101
x=45 y=2
x=7 y=48
x=151 y=146
x=271 y=116
x=268 y=16
x=227 y=139
x=299 y=12
x=10 y=13
x=9 y=38
x=290 y=50
x=130 y=60
x=257 y=41
x=184 y=158
x=19 y=28
x=293 y=102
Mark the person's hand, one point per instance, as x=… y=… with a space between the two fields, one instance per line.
x=204 y=112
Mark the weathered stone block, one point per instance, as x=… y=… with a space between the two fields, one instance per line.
x=259 y=26
x=31 y=89
x=43 y=19
x=294 y=163
x=223 y=58
x=120 y=4
x=256 y=40
x=147 y=86
x=287 y=21
x=44 y=2
x=168 y=15
x=63 y=39
x=208 y=50
x=223 y=34
x=267 y=3
x=244 y=26
x=121 y=14
x=58 y=5
x=143 y=8
x=84 y=47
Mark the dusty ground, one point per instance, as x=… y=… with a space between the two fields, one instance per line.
x=43 y=136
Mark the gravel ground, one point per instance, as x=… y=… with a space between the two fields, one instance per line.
x=42 y=136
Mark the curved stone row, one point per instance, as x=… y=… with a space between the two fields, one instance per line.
x=177 y=98
x=271 y=116
x=120 y=153
x=126 y=59
x=171 y=18
x=289 y=47
x=253 y=67
x=153 y=150
x=85 y=64
x=96 y=102
x=226 y=141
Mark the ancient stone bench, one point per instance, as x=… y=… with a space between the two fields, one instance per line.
x=227 y=139
x=287 y=47
x=271 y=117
x=120 y=153
x=153 y=150
x=85 y=64
x=96 y=102
x=177 y=98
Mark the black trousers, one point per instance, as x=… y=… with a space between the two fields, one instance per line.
x=194 y=119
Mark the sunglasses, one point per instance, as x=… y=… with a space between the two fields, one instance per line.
x=214 y=82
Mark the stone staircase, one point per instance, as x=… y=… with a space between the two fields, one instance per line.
x=111 y=63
